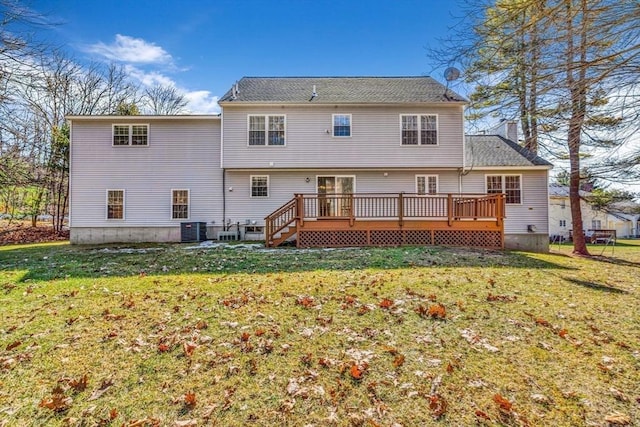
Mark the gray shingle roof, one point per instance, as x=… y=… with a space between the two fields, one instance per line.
x=557 y=190
x=494 y=150
x=341 y=90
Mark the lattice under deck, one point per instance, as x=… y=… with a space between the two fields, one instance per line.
x=338 y=238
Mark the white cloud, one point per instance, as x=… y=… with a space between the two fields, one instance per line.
x=148 y=78
x=202 y=102
x=131 y=50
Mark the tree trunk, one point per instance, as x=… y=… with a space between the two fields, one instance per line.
x=579 y=242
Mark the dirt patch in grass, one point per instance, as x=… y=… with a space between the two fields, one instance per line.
x=165 y=335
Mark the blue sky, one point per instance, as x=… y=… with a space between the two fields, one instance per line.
x=202 y=47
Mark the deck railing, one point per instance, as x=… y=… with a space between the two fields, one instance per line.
x=401 y=206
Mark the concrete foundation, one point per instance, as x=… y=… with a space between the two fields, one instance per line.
x=530 y=242
x=98 y=235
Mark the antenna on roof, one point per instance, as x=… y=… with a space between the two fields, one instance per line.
x=234 y=90
x=313 y=93
x=450 y=74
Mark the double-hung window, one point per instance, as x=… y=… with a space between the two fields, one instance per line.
x=180 y=204
x=342 y=125
x=267 y=130
x=419 y=129
x=426 y=184
x=259 y=185
x=130 y=135
x=510 y=185
x=115 y=204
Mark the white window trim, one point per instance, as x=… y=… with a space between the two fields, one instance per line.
x=426 y=181
x=124 y=204
x=420 y=144
x=251 y=187
x=338 y=176
x=502 y=177
x=333 y=127
x=188 y=204
x=130 y=126
x=266 y=124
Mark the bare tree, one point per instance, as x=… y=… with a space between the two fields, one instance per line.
x=164 y=100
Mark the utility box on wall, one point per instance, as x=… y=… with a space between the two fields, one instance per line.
x=193 y=231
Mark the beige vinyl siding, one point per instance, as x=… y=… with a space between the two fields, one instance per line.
x=533 y=209
x=182 y=154
x=284 y=184
x=374 y=141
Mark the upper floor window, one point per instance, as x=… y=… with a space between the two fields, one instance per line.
x=419 y=129
x=426 y=184
x=130 y=135
x=115 y=204
x=267 y=130
x=510 y=185
x=342 y=125
x=259 y=186
x=180 y=204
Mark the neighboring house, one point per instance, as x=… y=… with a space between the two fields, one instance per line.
x=383 y=160
x=593 y=218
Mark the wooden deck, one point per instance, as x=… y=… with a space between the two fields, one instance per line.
x=318 y=220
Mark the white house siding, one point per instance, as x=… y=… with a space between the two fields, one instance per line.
x=375 y=140
x=284 y=184
x=181 y=154
x=532 y=210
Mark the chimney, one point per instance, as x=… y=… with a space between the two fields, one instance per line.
x=506 y=128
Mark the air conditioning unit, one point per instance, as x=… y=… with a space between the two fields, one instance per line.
x=193 y=231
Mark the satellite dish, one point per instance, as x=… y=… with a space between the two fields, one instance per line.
x=451 y=73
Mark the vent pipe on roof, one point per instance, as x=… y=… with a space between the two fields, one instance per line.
x=313 y=93
x=234 y=90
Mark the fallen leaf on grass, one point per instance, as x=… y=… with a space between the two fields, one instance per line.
x=563 y=333
x=189 y=348
x=163 y=348
x=504 y=405
x=106 y=385
x=436 y=311
x=437 y=405
x=306 y=301
x=185 y=423
x=618 y=419
x=482 y=415
x=144 y=422
x=542 y=322
x=357 y=372
x=398 y=361
x=58 y=402
x=386 y=303
x=79 y=384
x=13 y=345
x=189 y=399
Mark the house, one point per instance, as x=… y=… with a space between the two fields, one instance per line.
x=329 y=161
x=618 y=217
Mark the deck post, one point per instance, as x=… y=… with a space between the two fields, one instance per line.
x=449 y=209
x=299 y=209
x=401 y=209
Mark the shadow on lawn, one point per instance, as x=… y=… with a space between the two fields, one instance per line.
x=49 y=262
x=596 y=286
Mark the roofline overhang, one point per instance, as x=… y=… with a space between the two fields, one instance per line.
x=116 y=118
x=342 y=169
x=514 y=168
x=340 y=104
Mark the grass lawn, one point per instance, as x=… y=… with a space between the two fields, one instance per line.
x=172 y=335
